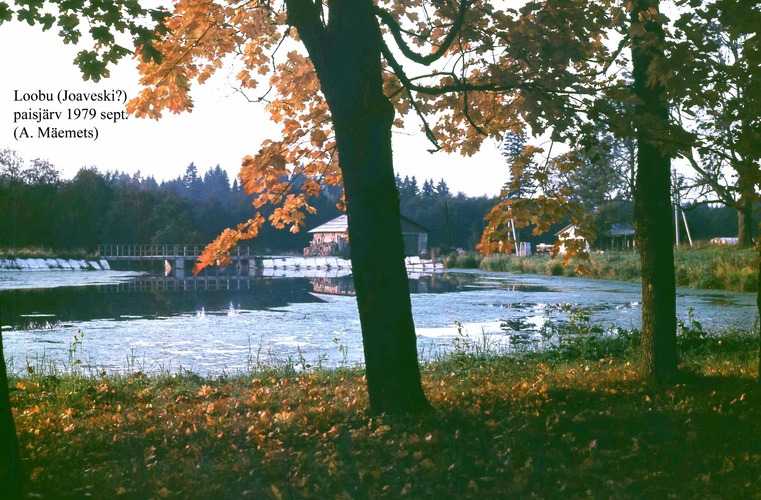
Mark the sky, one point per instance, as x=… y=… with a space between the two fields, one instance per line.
x=221 y=130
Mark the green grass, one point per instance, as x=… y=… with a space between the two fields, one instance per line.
x=716 y=268
x=574 y=421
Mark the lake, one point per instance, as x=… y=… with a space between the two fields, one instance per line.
x=227 y=324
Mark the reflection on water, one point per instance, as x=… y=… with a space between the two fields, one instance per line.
x=162 y=297
x=220 y=324
x=146 y=297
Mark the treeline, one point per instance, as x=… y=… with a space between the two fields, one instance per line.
x=40 y=209
x=452 y=221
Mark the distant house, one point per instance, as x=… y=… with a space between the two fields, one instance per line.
x=568 y=234
x=332 y=238
x=618 y=237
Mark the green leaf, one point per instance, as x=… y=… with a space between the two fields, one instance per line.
x=92 y=68
x=73 y=5
x=149 y=53
x=6 y=14
x=26 y=15
x=47 y=21
x=102 y=34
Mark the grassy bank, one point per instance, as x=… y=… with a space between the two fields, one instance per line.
x=716 y=268
x=45 y=253
x=561 y=423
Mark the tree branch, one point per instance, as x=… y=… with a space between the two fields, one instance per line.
x=396 y=31
x=718 y=189
x=399 y=71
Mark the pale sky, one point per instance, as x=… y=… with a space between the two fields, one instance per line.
x=222 y=128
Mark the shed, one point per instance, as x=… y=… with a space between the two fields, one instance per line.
x=332 y=238
x=620 y=236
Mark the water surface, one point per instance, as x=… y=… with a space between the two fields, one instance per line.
x=223 y=324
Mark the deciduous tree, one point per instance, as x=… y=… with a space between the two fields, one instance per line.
x=640 y=27
x=652 y=191
x=337 y=103
x=719 y=101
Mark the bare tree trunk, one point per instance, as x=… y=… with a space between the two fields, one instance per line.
x=347 y=57
x=652 y=204
x=380 y=277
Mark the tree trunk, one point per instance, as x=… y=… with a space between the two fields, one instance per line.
x=747 y=178
x=652 y=205
x=745 y=224
x=380 y=277
x=347 y=57
x=11 y=474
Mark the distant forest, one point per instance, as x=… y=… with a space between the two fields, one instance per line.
x=40 y=209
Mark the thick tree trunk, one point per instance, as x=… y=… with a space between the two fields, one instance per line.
x=347 y=57
x=11 y=474
x=377 y=255
x=652 y=205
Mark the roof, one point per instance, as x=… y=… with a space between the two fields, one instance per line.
x=338 y=225
x=341 y=223
x=569 y=229
x=620 y=229
x=410 y=226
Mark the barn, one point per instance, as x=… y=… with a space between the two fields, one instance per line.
x=332 y=238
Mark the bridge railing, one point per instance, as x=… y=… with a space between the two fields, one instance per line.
x=137 y=252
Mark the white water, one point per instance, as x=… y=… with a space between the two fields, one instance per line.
x=53 y=264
